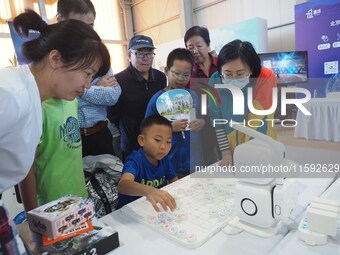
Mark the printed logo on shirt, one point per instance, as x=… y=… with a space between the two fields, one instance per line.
x=69 y=133
x=154 y=183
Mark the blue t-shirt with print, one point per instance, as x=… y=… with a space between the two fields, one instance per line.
x=146 y=173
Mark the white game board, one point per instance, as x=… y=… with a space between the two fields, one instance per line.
x=204 y=207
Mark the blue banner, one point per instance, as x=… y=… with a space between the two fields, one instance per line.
x=317 y=29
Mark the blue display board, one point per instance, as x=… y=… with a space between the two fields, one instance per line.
x=317 y=29
x=18 y=41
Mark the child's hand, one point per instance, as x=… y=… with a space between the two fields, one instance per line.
x=227 y=158
x=157 y=196
x=179 y=125
x=108 y=81
x=196 y=124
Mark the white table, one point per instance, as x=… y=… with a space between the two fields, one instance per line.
x=323 y=124
x=137 y=238
x=291 y=244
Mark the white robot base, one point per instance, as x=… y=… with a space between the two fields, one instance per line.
x=235 y=223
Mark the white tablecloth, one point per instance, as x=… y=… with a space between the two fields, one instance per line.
x=323 y=124
x=137 y=238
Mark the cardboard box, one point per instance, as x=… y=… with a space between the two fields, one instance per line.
x=60 y=216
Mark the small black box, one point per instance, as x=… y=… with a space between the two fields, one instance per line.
x=101 y=240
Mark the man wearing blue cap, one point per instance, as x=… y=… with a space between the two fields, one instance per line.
x=139 y=82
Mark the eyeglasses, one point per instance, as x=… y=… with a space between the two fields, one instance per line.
x=185 y=76
x=141 y=55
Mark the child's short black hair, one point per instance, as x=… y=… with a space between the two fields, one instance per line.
x=179 y=54
x=66 y=7
x=154 y=120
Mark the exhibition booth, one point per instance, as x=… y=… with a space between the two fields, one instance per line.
x=295 y=209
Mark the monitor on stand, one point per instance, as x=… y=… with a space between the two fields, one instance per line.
x=290 y=69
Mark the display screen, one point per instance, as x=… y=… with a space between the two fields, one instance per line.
x=289 y=67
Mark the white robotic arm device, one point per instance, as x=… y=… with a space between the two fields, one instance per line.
x=260 y=202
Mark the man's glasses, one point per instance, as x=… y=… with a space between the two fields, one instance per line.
x=141 y=55
x=185 y=76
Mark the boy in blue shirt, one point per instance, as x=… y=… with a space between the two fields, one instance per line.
x=186 y=151
x=149 y=169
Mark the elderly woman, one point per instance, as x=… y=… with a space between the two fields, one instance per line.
x=197 y=41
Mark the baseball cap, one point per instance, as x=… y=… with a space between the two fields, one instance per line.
x=140 y=41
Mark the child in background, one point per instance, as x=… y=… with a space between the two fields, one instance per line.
x=149 y=169
x=178 y=70
x=96 y=137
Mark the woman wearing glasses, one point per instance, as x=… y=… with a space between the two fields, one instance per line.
x=139 y=82
x=239 y=65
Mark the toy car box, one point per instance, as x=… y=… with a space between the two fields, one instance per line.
x=59 y=216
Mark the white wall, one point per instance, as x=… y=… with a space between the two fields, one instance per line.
x=108 y=24
x=159 y=19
